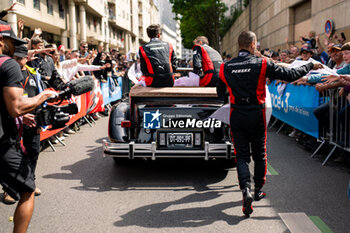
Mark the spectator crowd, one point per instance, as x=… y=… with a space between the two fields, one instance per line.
x=334 y=53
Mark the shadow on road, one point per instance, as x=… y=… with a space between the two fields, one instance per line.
x=101 y=174
x=157 y=215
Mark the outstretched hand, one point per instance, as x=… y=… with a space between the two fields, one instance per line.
x=20 y=24
x=11 y=7
x=330 y=79
x=317 y=66
x=301 y=81
x=320 y=87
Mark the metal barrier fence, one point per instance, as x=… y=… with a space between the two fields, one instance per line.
x=334 y=123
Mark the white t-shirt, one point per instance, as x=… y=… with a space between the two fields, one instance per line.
x=69 y=68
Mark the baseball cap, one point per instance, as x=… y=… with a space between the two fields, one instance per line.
x=306 y=47
x=336 y=47
x=21 y=51
x=6 y=31
x=346 y=46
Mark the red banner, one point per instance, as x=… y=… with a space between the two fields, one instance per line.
x=81 y=102
x=87 y=103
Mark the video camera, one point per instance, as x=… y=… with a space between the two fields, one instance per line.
x=58 y=116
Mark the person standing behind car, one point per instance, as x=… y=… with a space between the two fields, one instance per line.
x=245 y=79
x=206 y=60
x=158 y=60
x=16 y=176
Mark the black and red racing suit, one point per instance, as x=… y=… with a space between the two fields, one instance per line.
x=209 y=60
x=158 y=61
x=245 y=79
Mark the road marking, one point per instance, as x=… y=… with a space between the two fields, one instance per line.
x=320 y=224
x=299 y=223
x=271 y=170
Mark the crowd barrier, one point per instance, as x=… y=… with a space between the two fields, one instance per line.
x=336 y=129
x=90 y=102
x=295 y=106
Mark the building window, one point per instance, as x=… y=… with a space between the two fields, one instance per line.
x=95 y=25
x=89 y=24
x=302 y=19
x=36 y=4
x=60 y=9
x=302 y=12
x=49 y=7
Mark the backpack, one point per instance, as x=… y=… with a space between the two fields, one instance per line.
x=2 y=60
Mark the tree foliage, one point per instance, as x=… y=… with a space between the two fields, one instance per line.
x=200 y=18
x=227 y=22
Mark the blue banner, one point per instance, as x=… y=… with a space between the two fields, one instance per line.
x=111 y=90
x=294 y=105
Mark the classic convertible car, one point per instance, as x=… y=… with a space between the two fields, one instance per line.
x=171 y=122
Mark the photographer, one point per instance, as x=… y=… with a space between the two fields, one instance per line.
x=16 y=175
x=45 y=65
x=101 y=60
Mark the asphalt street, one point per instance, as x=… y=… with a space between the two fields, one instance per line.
x=84 y=192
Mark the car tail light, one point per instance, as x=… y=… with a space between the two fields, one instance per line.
x=197 y=139
x=162 y=139
x=126 y=124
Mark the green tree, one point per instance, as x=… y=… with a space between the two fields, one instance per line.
x=200 y=18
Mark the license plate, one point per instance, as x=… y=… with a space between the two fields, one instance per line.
x=184 y=139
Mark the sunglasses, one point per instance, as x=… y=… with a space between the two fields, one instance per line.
x=85 y=47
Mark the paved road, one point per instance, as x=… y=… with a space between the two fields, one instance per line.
x=83 y=192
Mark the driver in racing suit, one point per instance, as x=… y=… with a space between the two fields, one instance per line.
x=206 y=59
x=245 y=79
x=158 y=60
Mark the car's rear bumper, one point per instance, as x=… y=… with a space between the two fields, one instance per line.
x=142 y=150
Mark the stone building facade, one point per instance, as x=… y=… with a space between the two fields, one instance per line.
x=275 y=20
x=115 y=23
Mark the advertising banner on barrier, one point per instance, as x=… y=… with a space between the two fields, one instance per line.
x=111 y=90
x=294 y=105
x=93 y=101
x=81 y=102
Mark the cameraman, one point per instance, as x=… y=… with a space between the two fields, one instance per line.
x=16 y=175
x=32 y=87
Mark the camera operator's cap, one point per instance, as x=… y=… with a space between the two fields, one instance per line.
x=6 y=31
x=346 y=46
x=306 y=47
x=336 y=47
x=21 y=51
